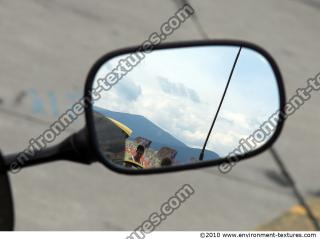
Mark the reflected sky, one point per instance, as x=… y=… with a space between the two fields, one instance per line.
x=180 y=89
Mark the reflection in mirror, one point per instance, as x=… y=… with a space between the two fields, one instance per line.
x=160 y=112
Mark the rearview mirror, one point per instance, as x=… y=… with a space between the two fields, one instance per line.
x=183 y=105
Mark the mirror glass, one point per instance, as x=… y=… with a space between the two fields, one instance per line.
x=156 y=109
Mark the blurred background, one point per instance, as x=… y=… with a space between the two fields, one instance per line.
x=47 y=48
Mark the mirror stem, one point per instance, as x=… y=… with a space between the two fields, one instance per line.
x=75 y=148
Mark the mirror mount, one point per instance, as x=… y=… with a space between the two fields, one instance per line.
x=75 y=148
x=6 y=200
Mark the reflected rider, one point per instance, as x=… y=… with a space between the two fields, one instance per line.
x=139 y=154
x=166 y=162
x=136 y=160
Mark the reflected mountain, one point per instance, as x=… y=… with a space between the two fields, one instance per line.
x=143 y=127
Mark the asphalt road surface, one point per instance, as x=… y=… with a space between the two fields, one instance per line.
x=47 y=48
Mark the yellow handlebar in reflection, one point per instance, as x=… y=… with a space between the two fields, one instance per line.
x=123 y=127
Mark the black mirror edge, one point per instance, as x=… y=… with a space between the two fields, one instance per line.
x=224 y=42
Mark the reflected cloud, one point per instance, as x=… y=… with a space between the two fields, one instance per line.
x=178 y=89
x=129 y=91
